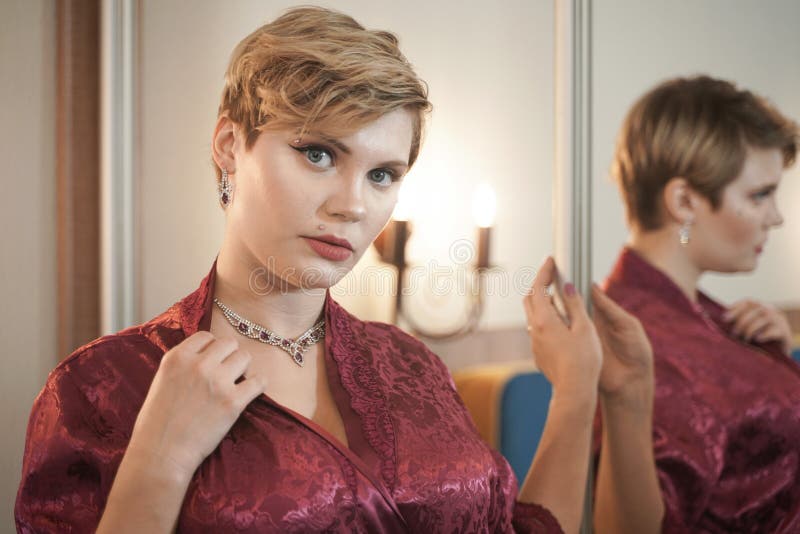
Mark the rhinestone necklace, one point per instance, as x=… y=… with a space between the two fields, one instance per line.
x=294 y=347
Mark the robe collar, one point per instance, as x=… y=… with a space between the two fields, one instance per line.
x=632 y=271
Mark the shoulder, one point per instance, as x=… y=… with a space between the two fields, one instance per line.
x=115 y=368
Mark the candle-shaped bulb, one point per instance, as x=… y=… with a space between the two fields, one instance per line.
x=484 y=205
x=402 y=210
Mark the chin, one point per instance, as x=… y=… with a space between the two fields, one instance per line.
x=742 y=266
x=322 y=274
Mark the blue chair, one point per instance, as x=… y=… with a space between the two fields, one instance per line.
x=508 y=403
x=526 y=399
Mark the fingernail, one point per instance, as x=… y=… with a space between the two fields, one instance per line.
x=569 y=289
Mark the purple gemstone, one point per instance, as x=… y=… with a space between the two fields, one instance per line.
x=285 y=343
x=224 y=198
x=264 y=336
x=243 y=328
x=298 y=357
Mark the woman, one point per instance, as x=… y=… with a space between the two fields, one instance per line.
x=257 y=403
x=698 y=163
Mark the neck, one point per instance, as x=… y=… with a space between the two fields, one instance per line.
x=245 y=284
x=662 y=249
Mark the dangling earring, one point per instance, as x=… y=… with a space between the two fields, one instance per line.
x=684 y=233
x=225 y=189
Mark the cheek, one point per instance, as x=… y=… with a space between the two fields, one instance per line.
x=741 y=223
x=379 y=213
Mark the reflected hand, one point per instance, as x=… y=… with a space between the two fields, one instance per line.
x=627 y=353
x=759 y=322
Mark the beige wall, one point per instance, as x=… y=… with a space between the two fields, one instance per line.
x=637 y=44
x=27 y=226
x=490 y=76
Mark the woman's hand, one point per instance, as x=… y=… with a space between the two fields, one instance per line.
x=759 y=322
x=193 y=402
x=627 y=493
x=569 y=356
x=627 y=353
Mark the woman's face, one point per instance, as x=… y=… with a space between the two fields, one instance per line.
x=731 y=238
x=307 y=209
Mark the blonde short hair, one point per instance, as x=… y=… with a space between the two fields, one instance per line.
x=318 y=68
x=695 y=128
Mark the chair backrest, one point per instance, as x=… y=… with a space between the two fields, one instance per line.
x=523 y=412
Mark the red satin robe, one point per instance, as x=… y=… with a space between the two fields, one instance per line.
x=726 y=426
x=415 y=461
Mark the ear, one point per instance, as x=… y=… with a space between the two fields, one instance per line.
x=680 y=201
x=223 y=144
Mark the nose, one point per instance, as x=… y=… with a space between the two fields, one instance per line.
x=346 y=201
x=776 y=219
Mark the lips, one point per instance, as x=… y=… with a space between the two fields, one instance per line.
x=333 y=240
x=330 y=247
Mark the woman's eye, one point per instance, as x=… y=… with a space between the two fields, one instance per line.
x=319 y=157
x=381 y=177
x=761 y=195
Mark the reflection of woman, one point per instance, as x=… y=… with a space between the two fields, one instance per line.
x=203 y=420
x=698 y=163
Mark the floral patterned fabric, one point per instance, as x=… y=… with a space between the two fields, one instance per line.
x=414 y=462
x=726 y=425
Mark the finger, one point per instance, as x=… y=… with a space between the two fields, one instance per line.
x=544 y=277
x=528 y=307
x=746 y=318
x=573 y=301
x=235 y=365
x=219 y=349
x=197 y=341
x=771 y=333
x=540 y=316
x=250 y=388
x=738 y=308
x=607 y=308
x=755 y=326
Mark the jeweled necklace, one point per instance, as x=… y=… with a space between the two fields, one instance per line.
x=295 y=347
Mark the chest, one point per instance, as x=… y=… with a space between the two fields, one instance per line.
x=303 y=389
x=747 y=400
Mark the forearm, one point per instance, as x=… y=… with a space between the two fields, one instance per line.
x=146 y=496
x=557 y=477
x=628 y=497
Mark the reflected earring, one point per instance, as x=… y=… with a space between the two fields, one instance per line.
x=225 y=189
x=684 y=233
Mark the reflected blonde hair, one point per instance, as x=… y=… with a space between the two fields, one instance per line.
x=695 y=128
x=318 y=68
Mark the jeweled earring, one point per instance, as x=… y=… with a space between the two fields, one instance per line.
x=684 y=233
x=225 y=190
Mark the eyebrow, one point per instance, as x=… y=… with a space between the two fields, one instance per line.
x=346 y=149
x=338 y=144
x=767 y=185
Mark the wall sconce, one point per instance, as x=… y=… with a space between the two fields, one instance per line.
x=391 y=245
